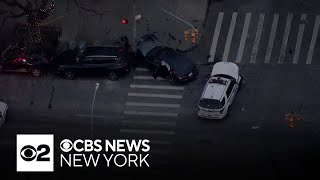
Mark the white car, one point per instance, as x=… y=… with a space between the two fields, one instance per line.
x=220 y=91
x=3 y=112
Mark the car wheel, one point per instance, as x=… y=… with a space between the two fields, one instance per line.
x=69 y=75
x=36 y=72
x=113 y=76
x=1 y=68
x=171 y=79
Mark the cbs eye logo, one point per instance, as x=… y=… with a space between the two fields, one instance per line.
x=29 y=153
x=35 y=153
x=66 y=145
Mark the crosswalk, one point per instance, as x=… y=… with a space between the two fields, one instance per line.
x=275 y=38
x=151 y=112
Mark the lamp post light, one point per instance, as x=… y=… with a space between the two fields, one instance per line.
x=92 y=106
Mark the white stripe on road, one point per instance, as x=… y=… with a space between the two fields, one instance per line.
x=149 y=123
x=169 y=96
x=141 y=69
x=144 y=113
x=153 y=104
x=299 y=38
x=147 y=78
x=138 y=131
x=156 y=87
x=215 y=37
x=97 y=116
x=285 y=38
x=313 y=40
x=257 y=39
x=243 y=37
x=272 y=37
x=229 y=37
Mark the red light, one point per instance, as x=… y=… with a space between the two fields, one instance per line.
x=124 y=21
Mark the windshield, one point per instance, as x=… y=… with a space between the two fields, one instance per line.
x=211 y=104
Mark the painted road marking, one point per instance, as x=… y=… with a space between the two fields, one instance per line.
x=299 y=38
x=215 y=37
x=257 y=39
x=141 y=69
x=169 y=96
x=147 y=78
x=229 y=37
x=272 y=37
x=139 y=131
x=99 y=116
x=149 y=122
x=153 y=104
x=313 y=40
x=243 y=37
x=285 y=38
x=156 y=87
x=144 y=113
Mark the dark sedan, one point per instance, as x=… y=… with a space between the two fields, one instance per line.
x=109 y=60
x=166 y=62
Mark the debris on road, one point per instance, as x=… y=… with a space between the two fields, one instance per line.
x=292 y=118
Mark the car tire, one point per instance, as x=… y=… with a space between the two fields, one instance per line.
x=69 y=75
x=171 y=79
x=1 y=68
x=113 y=76
x=36 y=72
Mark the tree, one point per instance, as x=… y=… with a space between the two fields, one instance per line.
x=35 y=12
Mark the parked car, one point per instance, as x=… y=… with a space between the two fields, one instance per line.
x=164 y=61
x=16 y=59
x=109 y=60
x=3 y=112
x=220 y=91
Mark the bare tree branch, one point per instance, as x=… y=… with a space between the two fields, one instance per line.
x=13 y=3
x=88 y=9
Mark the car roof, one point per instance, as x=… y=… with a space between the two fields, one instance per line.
x=101 y=50
x=215 y=88
x=226 y=68
x=147 y=43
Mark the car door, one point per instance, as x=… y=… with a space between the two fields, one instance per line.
x=231 y=91
x=85 y=65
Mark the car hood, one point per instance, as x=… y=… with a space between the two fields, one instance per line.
x=226 y=68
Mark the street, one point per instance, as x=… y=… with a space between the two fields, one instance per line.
x=254 y=136
x=275 y=45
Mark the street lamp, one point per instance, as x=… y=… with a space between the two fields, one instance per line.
x=92 y=106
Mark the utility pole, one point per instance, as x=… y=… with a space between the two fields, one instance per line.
x=134 y=29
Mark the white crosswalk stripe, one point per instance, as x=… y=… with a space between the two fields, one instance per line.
x=169 y=96
x=151 y=111
x=275 y=38
x=271 y=38
x=257 y=39
x=243 y=37
x=215 y=37
x=313 y=40
x=299 y=40
x=229 y=37
x=285 y=38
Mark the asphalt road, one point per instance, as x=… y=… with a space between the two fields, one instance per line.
x=254 y=141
